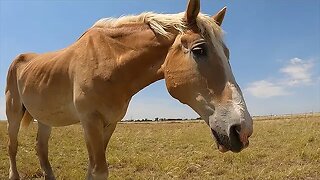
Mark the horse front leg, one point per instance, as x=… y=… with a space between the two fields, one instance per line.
x=94 y=137
x=91 y=161
x=108 y=131
x=43 y=136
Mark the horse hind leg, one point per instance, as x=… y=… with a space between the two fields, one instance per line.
x=14 y=111
x=43 y=136
x=17 y=117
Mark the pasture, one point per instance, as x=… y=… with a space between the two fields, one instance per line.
x=279 y=149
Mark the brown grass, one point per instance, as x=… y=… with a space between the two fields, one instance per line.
x=279 y=149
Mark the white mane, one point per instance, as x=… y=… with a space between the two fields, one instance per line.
x=160 y=23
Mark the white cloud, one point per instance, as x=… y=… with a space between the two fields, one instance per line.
x=298 y=72
x=266 y=89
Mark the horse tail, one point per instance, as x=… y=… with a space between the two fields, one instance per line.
x=15 y=109
x=26 y=119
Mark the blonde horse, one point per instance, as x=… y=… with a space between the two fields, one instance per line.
x=93 y=80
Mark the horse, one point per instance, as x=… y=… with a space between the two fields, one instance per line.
x=93 y=80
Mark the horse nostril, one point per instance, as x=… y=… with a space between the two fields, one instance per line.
x=234 y=135
x=235 y=130
x=238 y=129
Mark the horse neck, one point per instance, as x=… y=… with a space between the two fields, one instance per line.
x=141 y=56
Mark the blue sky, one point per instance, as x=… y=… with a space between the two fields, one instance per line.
x=275 y=47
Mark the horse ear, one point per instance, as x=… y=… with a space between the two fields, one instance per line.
x=219 y=16
x=192 y=11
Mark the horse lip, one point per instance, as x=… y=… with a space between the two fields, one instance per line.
x=220 y=147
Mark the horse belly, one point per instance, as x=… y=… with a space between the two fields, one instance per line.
x=51 y=104
x=52 y=114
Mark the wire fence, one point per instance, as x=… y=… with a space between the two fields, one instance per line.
x=288 y=116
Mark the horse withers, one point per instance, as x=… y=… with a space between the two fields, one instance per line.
x=93 y=80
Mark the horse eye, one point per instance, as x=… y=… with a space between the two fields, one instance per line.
x=199 y=50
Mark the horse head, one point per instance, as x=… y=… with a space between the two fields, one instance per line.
x=198 y=73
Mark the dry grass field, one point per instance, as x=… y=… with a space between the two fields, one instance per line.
x=279 y=149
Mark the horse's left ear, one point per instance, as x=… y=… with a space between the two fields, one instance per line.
x=192 y=11
x=219 y=16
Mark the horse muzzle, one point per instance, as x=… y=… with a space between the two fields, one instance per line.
x=234 y=139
